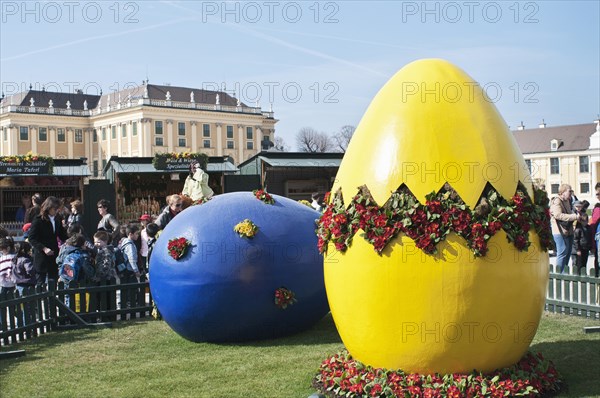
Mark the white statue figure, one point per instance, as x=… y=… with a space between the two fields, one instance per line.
x=85 y=108
x=50 y=104
x=145 y=91
x=217 y=100
x=31 y=101
x=108 y=101
x=119 y=97
x=239 y=103
x=192 y=97
x=168 y=96
x=68 y=104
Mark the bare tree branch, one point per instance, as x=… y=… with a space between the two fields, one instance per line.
x=343 y=137
x=281 y=145
x=310 y=140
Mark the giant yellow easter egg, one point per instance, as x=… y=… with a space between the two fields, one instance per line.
x=451 y=311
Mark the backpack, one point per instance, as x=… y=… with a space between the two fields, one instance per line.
x=69 y=269
x=23 y=270
x=76 y=266
x=121 y=260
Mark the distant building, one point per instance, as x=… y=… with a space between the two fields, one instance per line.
x=563 y=155
x=135 y=122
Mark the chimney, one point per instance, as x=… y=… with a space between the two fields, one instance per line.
x=542 y=125
x=521 y=126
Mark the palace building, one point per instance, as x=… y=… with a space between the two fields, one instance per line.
x=134 y=122
x=563 y=155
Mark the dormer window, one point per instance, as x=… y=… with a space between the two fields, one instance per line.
x=555 y=144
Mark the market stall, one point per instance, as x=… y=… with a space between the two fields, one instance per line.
x=25 y=175
x=142 y=184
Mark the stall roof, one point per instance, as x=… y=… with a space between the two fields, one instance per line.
x=80 y=170
x=144 y=165
x=297 y=159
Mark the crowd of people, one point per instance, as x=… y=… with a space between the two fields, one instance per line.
x=575 y=233
x=57 y=248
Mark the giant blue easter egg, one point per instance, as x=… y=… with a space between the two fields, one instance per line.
x=223 y=288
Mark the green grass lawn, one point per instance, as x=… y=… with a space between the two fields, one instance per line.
x=147 y=359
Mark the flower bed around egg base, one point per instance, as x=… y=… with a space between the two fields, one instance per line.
x=342 y=376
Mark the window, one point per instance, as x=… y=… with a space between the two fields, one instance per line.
x=554 y=166
x=24 y=133
x=123 y=130
x=42 y=134
x=113 y=132
x=248 y=133
x=554 y=188
x=158 y=130
x=229 y=144
x=95 y=168
x=266 y=138
x=206 y=130
x=528 y=163
x=79 y=135
x=103 y=133
x=134 y=129
x=229 y=131
x=60 y=135
x=206 y=143
x=104 y=162
x=181 y=128
x=249 y=145
x=182 y=142
x=584 y=187
x=584 y=164
x=95 y=135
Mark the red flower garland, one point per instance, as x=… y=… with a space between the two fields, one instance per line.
x=177 y=247
x=428 y=224
x=263 y=195
x=343 y=376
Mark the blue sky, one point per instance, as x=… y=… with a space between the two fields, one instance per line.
x=319 y=63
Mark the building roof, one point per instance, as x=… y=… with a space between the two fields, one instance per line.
x=59 y=100
x=157 y=92
x=297 y=159
x=570 y=138
x=182 y=94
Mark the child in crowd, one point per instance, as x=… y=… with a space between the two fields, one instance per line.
x=105 y=259
x=152 y=233
x=581 y=242
x=70 y=260
x=23 y=267
x=127 y=245
x=145 y=219
x=7 y=278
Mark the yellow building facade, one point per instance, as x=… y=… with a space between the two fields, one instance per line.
x=135 y=122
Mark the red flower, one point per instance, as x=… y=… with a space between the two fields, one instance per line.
x=177 y=247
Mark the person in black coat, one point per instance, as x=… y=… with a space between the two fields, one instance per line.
x=46 y=229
